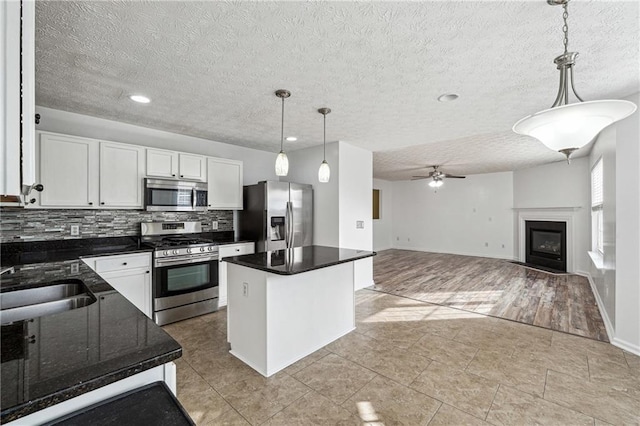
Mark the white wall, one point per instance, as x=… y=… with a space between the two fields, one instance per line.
x=604 y=278
x=356 y=192
x=258 y=165
x=560 y=185
x=383 y=227
x=471 y=216
x=303 y=168
x=627 y=233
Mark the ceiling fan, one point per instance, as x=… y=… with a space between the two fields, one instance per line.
x=437 y=177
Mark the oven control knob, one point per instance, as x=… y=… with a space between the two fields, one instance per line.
x=166 y=253
x=188 y=250
x=175 y=252
x=201 y=248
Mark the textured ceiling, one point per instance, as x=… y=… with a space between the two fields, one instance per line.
x=211 y=68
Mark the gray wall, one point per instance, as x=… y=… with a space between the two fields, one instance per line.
x=37 y=225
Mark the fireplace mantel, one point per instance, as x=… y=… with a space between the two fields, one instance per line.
x=558 y=209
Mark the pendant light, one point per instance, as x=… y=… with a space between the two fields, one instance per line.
x=324 y=172
x=567 y=127
x=282 y=162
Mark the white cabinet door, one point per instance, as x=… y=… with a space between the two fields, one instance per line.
x=224 y=178
x=121 y=175
x=129 y=274
x=68 y=171
x=135 y=286
x=192 y=166
x=226 y=251
x=162 y=163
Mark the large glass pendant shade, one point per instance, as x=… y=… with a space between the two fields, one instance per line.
x=282 y=164
x=572 y=126
x=324 y=172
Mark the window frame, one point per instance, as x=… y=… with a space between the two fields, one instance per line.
x=597 y=209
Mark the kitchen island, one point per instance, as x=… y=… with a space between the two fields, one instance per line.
x=285 y=304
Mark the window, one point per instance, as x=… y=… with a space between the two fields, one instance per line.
x=597 y=201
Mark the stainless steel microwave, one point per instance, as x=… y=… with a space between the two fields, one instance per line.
x=174 y=195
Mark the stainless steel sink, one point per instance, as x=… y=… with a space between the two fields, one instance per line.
x=21 y=304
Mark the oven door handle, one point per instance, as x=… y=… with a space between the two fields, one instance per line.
x=194 y=198
x=184 y=261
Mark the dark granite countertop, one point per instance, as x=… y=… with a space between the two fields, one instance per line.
x=28 y=252
x=50 y=359
x=299 y=259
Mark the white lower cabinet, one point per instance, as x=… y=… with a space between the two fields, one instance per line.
x=130 y=275
x=226 y=251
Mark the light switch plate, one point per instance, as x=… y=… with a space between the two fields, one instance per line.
x=214 y=225
x=359 y=224
x=75 y=230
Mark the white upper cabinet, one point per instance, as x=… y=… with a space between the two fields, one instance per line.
x=162 y=163
x=68 y=171
x=176 y=165
x=121 y=175
x=193 y=166
x=225 y=184
x=86 y=173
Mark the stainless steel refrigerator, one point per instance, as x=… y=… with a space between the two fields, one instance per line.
x=277 y=215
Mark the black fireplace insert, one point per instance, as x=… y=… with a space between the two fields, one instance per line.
x=546 y=244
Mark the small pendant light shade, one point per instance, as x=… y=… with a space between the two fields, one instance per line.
x=324 y=172
x=282 y=162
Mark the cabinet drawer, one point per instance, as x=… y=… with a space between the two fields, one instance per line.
x=236 y=250
x=121 y=263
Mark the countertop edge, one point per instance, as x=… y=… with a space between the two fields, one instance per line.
x=31 y=407
x=236 y=261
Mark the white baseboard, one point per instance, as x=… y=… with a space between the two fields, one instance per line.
x=629 y=347
x=603 y=313
x=382 y=248
x=489 y=255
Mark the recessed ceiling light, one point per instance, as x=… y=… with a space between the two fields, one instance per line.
x=140 y=99
x=448 y=97
x=292 y=138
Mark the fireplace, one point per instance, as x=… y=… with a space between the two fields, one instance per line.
x=546 y=244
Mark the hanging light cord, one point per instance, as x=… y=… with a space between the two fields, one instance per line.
x=565 y=27
x=282 y=128
x=324 y=145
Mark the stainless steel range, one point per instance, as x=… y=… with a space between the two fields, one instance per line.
x=185 y=270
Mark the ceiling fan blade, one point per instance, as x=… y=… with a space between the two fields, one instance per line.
x=419 y=177
x=454 y=176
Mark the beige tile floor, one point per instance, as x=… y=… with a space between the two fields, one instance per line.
x=413 y=363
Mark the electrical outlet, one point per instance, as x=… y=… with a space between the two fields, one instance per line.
x=397 y=238
x=214 y=225
x=359 y=224
x=503 y=246
x=75 y=267
x=245 y=289
x=75 y=230
x=486 y=244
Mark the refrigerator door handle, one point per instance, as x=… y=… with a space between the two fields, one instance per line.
x=289 y=225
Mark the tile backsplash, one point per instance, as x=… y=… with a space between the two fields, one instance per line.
x=38 y=225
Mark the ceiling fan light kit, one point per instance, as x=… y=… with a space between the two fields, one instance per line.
x=324 y=172
x=437 y=177
x=568 y=127
x=282 y=162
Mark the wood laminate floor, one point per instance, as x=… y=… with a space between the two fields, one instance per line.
x=492 y=287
